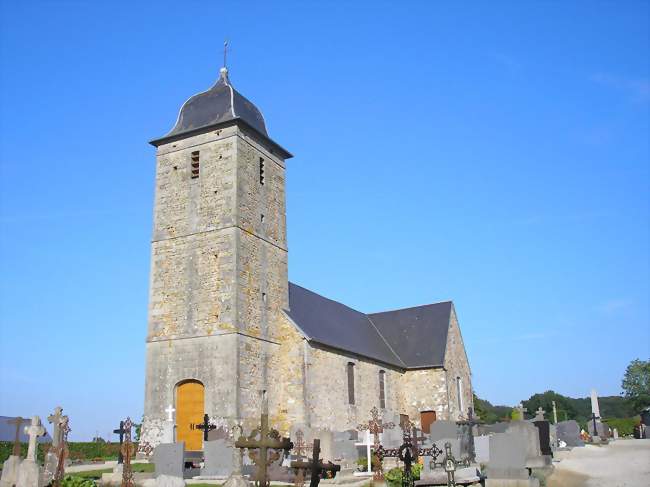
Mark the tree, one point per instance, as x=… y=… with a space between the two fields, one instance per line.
x=636 y=384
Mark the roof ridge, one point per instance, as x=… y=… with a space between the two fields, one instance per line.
x=411 y=307
x=386 y=341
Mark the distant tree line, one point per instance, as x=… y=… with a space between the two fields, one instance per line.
x=635 y=397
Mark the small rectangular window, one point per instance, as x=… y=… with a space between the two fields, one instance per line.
x=264 y=298
x=382 y=389
x=261 y=171
x=195 y=165
x=350 y=383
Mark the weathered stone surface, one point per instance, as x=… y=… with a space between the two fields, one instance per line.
x=10 y=471
x=443 y=429
x=482 y=449
x=569 y=432
x=29 y=474
x=168 y=459
x=218 y=459
x=169 y=481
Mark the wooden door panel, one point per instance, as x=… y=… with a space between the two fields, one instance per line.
x=190 y=407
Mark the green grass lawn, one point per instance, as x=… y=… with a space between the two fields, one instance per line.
x=97 y=474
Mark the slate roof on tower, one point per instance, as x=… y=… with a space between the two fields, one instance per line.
x=219 y=105
x=408 y=338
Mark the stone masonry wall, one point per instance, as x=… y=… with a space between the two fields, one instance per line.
x=423 y=390
x=457 y=365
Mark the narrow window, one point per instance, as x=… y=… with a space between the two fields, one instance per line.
x=264 y=298
x=382 y=389
x=195 y=165
x=261 y=171
x=350 y=383
x=459 y=386
x=262 y=218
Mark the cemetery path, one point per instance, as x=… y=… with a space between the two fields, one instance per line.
x=623 y=463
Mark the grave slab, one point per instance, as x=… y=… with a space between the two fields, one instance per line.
x=168 y=459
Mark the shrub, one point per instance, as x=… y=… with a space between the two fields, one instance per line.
x=72 y=481
x=625 y=426
x=394 y=475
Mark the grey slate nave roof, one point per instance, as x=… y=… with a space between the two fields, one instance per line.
x=408 y=338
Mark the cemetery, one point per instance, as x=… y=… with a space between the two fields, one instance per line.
x=251 y=380
x=528 y=450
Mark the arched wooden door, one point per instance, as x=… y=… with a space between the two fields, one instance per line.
x=190 y=407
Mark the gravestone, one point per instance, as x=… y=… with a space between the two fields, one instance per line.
x=169 y=459
x=29 y=472
x=530 y=435
x=569 y=433
x=11 y=465
x=603 y=430
x=218 y=459
x=486 y=429
x=443 y=429
x=508 y=459
x=544 y=431
x=482 y=447
x=344 y=450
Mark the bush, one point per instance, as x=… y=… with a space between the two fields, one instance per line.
x=73 y=481
x=84 y=451
x=625 y=426
x=363 y=463
x=394 y=475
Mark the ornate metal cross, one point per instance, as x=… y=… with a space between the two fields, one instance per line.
x=315 y=466
x=120 y=431
x=269 y=439
x=127 y=450
x=206 y=427
x=407 y=453
x=62 y=451
x=376 y=426
x=18 y=422
x=300 y=447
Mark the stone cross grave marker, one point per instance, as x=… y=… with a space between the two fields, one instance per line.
x=376 y=426
x=127 y=450
x=18 y=422
x=56 y=420
x=62 y=451
x=206 y=427
x=34 y=430
x=170 y=413
x=120 y=431
x=268 y=447
x=316 y=466
x=539 y=414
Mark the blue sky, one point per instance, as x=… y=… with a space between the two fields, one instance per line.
x=493 y=153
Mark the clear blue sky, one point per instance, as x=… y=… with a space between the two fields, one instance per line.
x=493 y=153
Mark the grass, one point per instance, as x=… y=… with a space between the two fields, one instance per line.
x=97 y=474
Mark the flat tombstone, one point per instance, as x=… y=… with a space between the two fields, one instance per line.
x=529 y=435
x=602 y=428
x=169 y=459
x=443 y=429
x=344 y=450
x=507 y=457
x=218 y=459
x=569 y=432
x=482 y=448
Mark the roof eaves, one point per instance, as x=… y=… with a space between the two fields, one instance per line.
x=358 y=354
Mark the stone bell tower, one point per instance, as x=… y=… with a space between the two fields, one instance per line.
x=218 y=279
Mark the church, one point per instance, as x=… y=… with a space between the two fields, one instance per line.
x=227 y=328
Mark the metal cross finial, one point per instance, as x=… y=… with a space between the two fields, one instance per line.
x=225 y=52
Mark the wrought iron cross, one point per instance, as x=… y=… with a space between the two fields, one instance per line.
x=269 y=439
x=206 y=427
x=62 y=451
x=467 y=426
x=127 y=450
x=18 y=422
x=376 y=426
x=120 y=431
x=225 y=52
x=316 y=466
